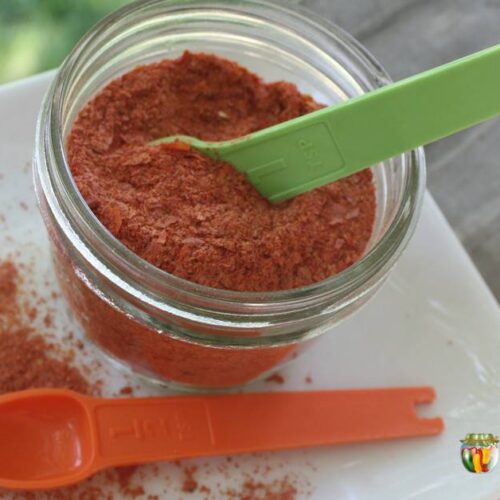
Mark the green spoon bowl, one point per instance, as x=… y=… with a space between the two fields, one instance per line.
x=302 y=154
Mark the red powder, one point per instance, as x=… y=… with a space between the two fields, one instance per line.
x=189 y=484
x=28 y=360
x=124 y=475
x=282 y=489
x=199 y=218
x=285 y=487
x=8 y=292
x=196 y=217
x=275 y=378
x=205 y=489
x=48 y=320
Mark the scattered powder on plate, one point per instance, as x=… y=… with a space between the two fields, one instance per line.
x=189 y=483
x=282 y=489
x=275 y=378
x=258 y=486
x=28 y=360
x=33 y=359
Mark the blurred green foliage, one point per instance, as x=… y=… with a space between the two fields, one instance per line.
x=36 y=35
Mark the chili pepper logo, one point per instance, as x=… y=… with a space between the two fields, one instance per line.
x=479 y=452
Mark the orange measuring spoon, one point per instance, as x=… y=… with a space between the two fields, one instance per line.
x=51 y=438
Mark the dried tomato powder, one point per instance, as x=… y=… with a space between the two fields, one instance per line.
x=27 y=359
x=30 y=358
x=196 y=217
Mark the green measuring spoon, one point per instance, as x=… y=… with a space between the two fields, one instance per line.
x=296 y=156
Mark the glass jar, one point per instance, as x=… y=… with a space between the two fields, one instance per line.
x=161 y=326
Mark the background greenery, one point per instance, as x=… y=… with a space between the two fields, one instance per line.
x=35 y=35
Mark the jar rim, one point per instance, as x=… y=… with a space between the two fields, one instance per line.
x=58 y=184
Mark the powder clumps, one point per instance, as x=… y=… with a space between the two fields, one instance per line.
x=189 y=484
x=282 y=489
x=275 y=378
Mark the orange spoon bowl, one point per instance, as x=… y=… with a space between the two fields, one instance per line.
x=46 y=436
x=54 y=437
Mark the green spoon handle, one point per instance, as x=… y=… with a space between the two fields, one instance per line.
x=418 y=110
x=345 y=138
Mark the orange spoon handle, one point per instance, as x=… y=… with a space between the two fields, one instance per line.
x=151 y=429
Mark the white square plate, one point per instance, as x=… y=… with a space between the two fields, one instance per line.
x=433 y=323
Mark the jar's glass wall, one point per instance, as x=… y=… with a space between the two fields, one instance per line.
x=126 y=306
x=273 y=51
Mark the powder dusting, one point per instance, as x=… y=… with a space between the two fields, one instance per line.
x=189 y=483
x=275 y=378
x=282 y=489
x=30 y=358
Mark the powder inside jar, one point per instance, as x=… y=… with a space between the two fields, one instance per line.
x=196 y=217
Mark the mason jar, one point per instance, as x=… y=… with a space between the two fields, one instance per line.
x=161 y=326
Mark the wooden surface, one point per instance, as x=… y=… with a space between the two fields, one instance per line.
x=408 y=36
